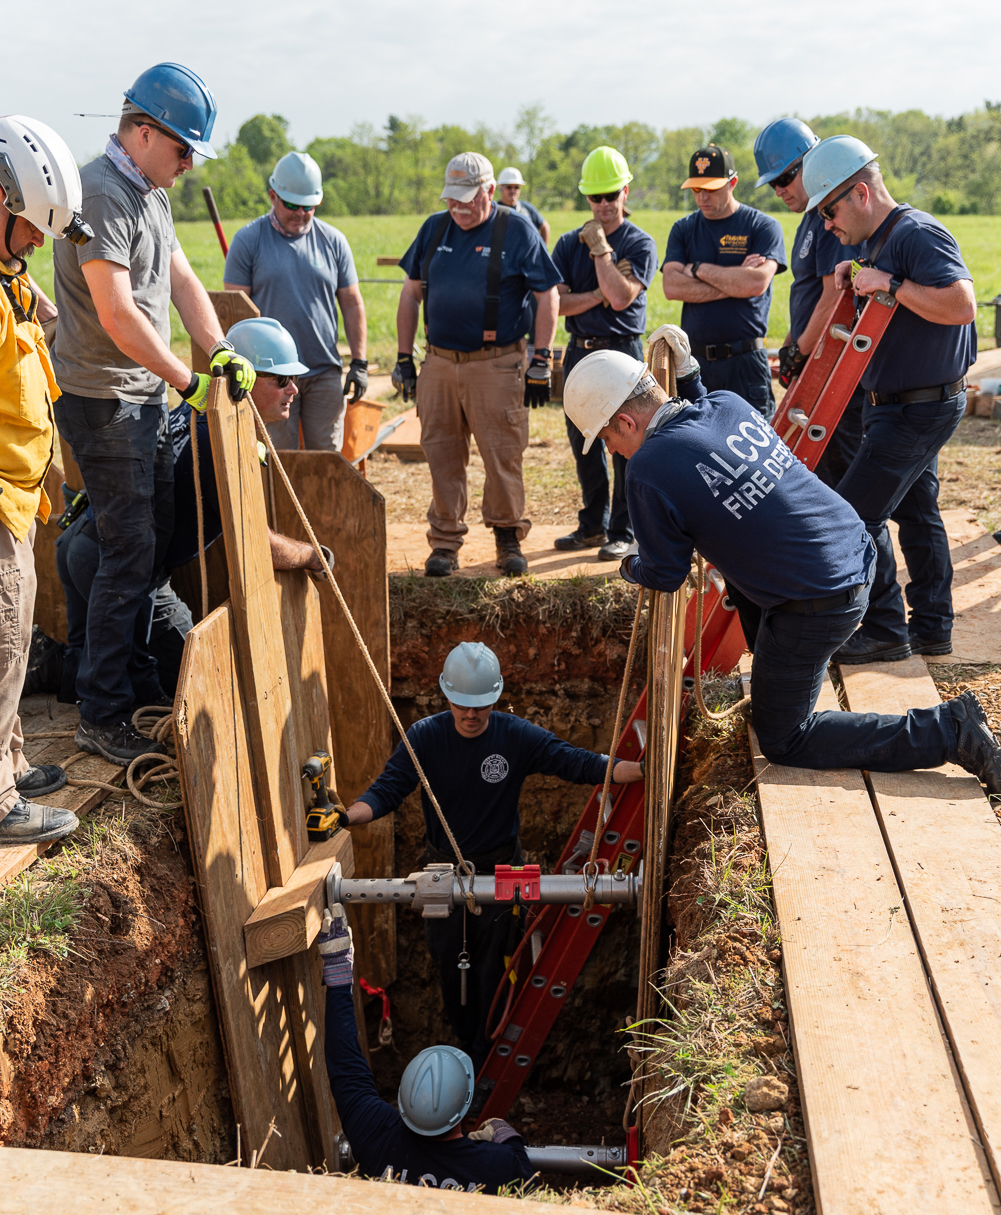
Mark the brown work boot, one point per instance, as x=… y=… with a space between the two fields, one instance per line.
x=441 y=563
x=509 y=558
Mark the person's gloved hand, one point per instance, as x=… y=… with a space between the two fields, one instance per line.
x=791 y=362
x=686 y=365
x=625 y=569
x=593 y=235
x=196 y=393
x=405 y=377
x=317 y=572
x=356 y=380
x=238 y=370
x=624 y=266
x=494 y=1130
x=538 y=380
x=336 y=947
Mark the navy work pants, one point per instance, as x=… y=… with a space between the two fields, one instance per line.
x=126 y=460
x=895 y=476
x=599 y=512
x=842 y=447
x=747 y=374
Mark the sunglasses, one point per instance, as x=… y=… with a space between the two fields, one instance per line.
x=599 y=198
x=788 y=176
x=296 y=206
x=828 y=211
x=185 y=148
x=282 y=381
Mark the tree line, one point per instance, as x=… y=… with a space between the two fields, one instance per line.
x=944 y=165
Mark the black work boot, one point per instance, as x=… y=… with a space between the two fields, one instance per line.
x=862 y=648
x=118 y=741
x=575 y=542
x=32 y=823
x=509 y=558
x=441 y=563
x=40 y=780
x=977 y=748
x=931 y=645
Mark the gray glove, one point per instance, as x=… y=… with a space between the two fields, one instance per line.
x=685 y=364
x=336 y=948
x=356 y=380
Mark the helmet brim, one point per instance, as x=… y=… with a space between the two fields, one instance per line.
x=300 y=200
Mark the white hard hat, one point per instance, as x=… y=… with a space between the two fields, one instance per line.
x=510 y=177
x=471 y=676
x=40 y=179
x=598 y=387
x=297 y=179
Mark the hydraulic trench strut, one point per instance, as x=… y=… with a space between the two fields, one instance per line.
x=571 y=1159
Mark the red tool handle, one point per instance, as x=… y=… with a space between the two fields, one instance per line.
x=214 y=216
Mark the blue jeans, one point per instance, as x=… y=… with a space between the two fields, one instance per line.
x=126 y=460
x=598 y=515
x=894 y=476
x=747 y=374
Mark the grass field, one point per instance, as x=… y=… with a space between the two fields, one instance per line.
x=390 y=235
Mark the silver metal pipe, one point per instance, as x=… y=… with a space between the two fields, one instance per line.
x=576 y=1158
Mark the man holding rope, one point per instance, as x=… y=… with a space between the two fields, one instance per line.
x=476 y=761
x=705 y=473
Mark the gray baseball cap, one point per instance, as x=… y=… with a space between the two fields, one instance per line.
x=465 y=174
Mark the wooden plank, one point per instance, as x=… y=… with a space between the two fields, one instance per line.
x=50 y=601
x=945 y=844
x=886 y=1122
x=230 y=307
x=36 y=1181
x=349 y=516
x=264 y=679
x=405 y=441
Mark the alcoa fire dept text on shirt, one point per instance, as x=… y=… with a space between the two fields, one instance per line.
x=747 y=444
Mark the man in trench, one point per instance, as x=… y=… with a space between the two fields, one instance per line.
x=476 y=761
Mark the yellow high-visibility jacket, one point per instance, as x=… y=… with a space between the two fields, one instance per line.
x=27 y=389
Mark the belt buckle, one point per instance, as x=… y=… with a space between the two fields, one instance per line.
x=711 y=353
x=730 y=352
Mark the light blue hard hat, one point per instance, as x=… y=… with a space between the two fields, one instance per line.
x=297 y=179
x=178 y=100
x=779 y=145
x=471 y=676
x=436 y=1089
x=268 y=345
x=831 y=162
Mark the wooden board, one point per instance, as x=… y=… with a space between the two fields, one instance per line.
x=349 y=516
x=887 y=1126
x=945 y=844
x=50 y=601
x=405 y=441
x=40 y=1181
x=230 y=307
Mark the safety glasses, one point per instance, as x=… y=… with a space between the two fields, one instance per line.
x=827 y=212
x=282 y=381
x=296 y=206
x=788 y=176
x=600 y=198
x=185 y=149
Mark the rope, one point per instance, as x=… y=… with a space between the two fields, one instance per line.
x=590 y=869
x=464 y=867
x=742 y=703
x=200 y=513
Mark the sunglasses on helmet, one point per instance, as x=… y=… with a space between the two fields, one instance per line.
x=599 y=198
x=296 y=206
x=827 y=212
x=185 y=148
x=788 y=176
x=282 y=381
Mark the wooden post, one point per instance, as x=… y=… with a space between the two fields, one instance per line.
x=230 y=307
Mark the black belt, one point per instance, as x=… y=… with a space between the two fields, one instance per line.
x=726 y=350
x=599 y=343
x=812 y=607
x=941 y=392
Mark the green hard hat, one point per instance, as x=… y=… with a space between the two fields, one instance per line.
x=603 y=171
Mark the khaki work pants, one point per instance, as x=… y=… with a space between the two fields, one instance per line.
x=17 y=603
x=485 y=398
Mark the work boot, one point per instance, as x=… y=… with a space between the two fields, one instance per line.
x=614 y=550
x=41 y=780
x=862 y=648
x=931 y=645
x=45 y=664
x=576 y=541
x=441 y=563
x=977 y=748
x=509 y=558
x=118 y=741
x=32 y=823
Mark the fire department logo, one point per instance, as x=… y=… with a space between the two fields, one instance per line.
x=494 y=768
x=702 y=164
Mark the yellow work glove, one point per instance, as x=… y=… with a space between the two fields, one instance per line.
x=238 y=370
x=593 y=235
x=196 y=393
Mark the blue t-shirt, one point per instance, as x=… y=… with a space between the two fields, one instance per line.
x=295 y=280
x=184 y=542
x=457 y=279
x=381 y=1140
x=726 y=242
x=915 y=353
x=718 y=479
x=815 y=253
x=526 y=209
x=575 y=263
x=477 y=781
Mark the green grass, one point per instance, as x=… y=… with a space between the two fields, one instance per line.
x=371 y=236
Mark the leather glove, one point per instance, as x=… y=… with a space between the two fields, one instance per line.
x=405 y=377
x=538 y=380
x=791 y=362
x=336 y=947
x=624 y=266
x=685 y=364
x=238 y=370
x=625 y=569
x=356 y=380
x=593 y=235
x=494 y=1130
x=196 y=393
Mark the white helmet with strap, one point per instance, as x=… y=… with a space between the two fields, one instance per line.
x=599 y=386
x=40 y=179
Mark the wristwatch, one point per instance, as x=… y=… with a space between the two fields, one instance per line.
x=543 y=352
x=895 y=285
x=695 y=270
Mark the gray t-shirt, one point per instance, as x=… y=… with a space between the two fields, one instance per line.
x=131 y=231
x=295 y=281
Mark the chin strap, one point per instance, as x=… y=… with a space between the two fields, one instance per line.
x=17 y=264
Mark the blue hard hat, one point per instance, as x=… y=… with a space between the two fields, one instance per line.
x=779 y=145
x=178 y=100
x=297 y=179
x=831 y=162
x=471 y=676
x=268 y=345
x=436 y=1089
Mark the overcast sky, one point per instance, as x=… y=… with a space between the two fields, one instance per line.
x=328 y=66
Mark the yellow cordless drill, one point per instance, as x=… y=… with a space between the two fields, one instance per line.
x=324 y=816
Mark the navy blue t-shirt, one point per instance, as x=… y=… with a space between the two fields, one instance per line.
x=915 y=353
x=526 y=208
x=815 y=253
x=575 y=263
x=726 y=242
x=718 y=479
x=457 y=279
x=184 y=542
x=477 y=781
x=381 y=1140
